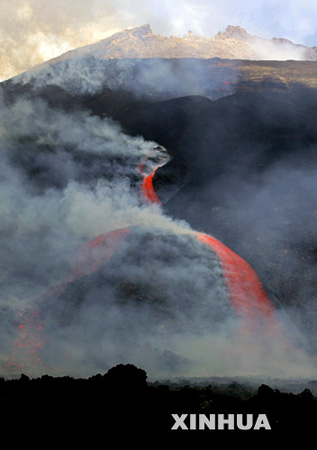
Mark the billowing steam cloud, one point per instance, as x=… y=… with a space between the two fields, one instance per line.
x=33 y=31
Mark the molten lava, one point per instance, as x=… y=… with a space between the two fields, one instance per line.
x=147 y=185
x=246 y=292
x=29 y=342
x=148 y=190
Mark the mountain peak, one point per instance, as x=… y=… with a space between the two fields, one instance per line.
x=232 y=32
x=142 y=31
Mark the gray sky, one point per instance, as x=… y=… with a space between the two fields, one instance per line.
x=32 y=31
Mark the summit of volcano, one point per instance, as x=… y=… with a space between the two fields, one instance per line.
x=233 y=43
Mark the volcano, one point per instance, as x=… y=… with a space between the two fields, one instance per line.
x=208 y=167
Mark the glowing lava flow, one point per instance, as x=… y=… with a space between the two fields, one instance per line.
x=147 y=185
x=29 y=342
x=246 y=292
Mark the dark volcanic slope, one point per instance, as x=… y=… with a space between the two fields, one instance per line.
x=164 y=78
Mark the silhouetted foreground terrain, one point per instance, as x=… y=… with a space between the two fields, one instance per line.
x=122 y=400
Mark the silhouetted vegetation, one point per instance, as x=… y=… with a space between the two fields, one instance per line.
x=122 y=399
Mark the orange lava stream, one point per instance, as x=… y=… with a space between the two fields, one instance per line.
x=246 y=292
x=147 y=185
x=148 y=190
x=29 y=342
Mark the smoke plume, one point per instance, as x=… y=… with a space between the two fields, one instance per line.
x=148 y=78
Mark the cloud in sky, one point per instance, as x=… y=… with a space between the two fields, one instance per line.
x=32 y=31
